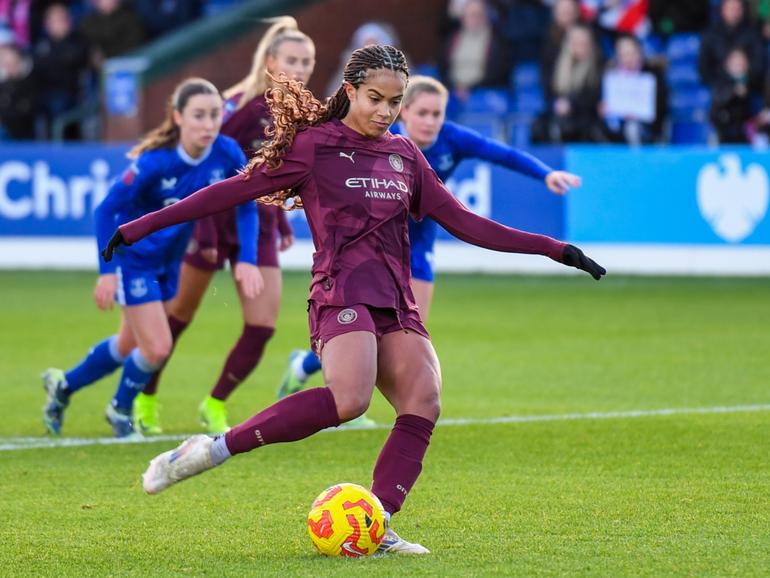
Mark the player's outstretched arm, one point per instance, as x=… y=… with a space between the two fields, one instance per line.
x=477 y=230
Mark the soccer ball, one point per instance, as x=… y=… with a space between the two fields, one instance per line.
x=346 y=520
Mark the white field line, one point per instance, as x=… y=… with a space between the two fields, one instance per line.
x=26 y=443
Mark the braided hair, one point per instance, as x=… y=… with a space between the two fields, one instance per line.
x=294 y=108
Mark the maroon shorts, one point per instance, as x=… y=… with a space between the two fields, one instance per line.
x=267 y=253
x=329 y=321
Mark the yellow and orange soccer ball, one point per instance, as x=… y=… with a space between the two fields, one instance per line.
x=346 y=520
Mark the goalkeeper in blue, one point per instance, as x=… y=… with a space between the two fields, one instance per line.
x=182 y=155
x=445 y=145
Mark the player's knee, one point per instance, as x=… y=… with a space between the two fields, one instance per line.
x=351 y=406
x=157 y=353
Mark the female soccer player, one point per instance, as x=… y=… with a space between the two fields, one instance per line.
x=282 y=50
x=445 y=145
x=179 y=157
x=357 y=183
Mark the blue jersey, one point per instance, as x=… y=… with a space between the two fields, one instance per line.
x=157 y=179
x=453 y=144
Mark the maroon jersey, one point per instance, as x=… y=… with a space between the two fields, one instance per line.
x=357 y=193
x=247 y=126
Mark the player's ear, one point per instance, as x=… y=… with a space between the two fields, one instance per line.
x=350 y=90
x=177 y=117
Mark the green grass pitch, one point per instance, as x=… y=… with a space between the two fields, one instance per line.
x=684 y=494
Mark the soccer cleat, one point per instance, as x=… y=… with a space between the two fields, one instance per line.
x=392 y=543
x=192 y=457
x=290 y=383
x=146 y=414
x=361 y=422
x=122 y=423
x=213 y=415
x=53 y=411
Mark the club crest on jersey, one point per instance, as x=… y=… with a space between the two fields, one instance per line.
x=347 y=316
x=216 y=176
x=167 y=184
x=396 y=162
x=138 y=287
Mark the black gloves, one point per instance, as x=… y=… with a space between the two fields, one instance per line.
x=574 y=257
x=115 y=241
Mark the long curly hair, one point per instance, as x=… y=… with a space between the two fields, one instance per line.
x=167 y=134
x=294 y=108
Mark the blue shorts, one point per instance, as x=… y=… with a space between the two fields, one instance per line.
x=422 y=237
x=137 y=286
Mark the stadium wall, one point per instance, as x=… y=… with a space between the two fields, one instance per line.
x=673 y=211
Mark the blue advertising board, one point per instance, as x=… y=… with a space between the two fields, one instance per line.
x=50 y=190
x=669 y=196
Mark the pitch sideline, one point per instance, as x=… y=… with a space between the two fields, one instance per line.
x=28 y=443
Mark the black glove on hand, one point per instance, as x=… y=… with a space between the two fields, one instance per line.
x=574 y=257
x=115 y=241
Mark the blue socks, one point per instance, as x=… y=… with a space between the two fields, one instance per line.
x=311 y=364
x=102 y=360
x=137 y=371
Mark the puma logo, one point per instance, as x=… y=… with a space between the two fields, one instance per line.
x=350 y=156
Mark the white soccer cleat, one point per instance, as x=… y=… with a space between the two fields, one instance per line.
x=191 y=458
x=392 y=543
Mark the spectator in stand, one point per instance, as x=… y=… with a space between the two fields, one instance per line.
x=638 y=119
x=731 y=99
x=112 y=29
x=669 y=17
x=614 y=17
x=760 y=14
x=160 y=17
x=564 y=15
x=475 y=54
x=733 y=29
x=61 y=62
x=15 y=16
x=572 y=114
x=18 y=94
x=365 y=35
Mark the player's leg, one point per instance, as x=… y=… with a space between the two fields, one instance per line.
x=180 y=310
x=350 y=369
x=260 y=314
x=422 y=276
x=102 y=359
x=423 y=296
x=410 y=378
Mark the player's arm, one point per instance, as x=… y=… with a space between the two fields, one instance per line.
x=134 y=179
x=285 y=230
x=434 y=200
x=474 y=145
x=293 y=172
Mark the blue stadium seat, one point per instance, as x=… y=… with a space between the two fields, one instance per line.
x=690 y=103
x=525 y=75
x=682 y=74
x=520 y=131
x=487 y=100
x=489 y=125
x=683 y=48
x=690 y=132
x=530 y=100
x=426 y=70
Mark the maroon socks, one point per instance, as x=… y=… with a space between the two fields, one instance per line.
x=293 y=418
x=243 y=358
x=177 y=326
x=400 y=461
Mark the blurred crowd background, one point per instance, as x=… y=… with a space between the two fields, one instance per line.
x=527 y=71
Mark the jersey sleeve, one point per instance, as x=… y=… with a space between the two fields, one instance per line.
x=472 y=145
x=293 y=173
x=247 y=217
x=434 y=200
x=140 y=175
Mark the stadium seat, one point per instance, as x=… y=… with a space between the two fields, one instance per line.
x=683 y=48
x=487 y=100
x=690 y=132
x=525 y=76
x=690 y=103
x=530 y=100
x=427 y=70
x=488 y=124
x=520 y=130
x=682 y=74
